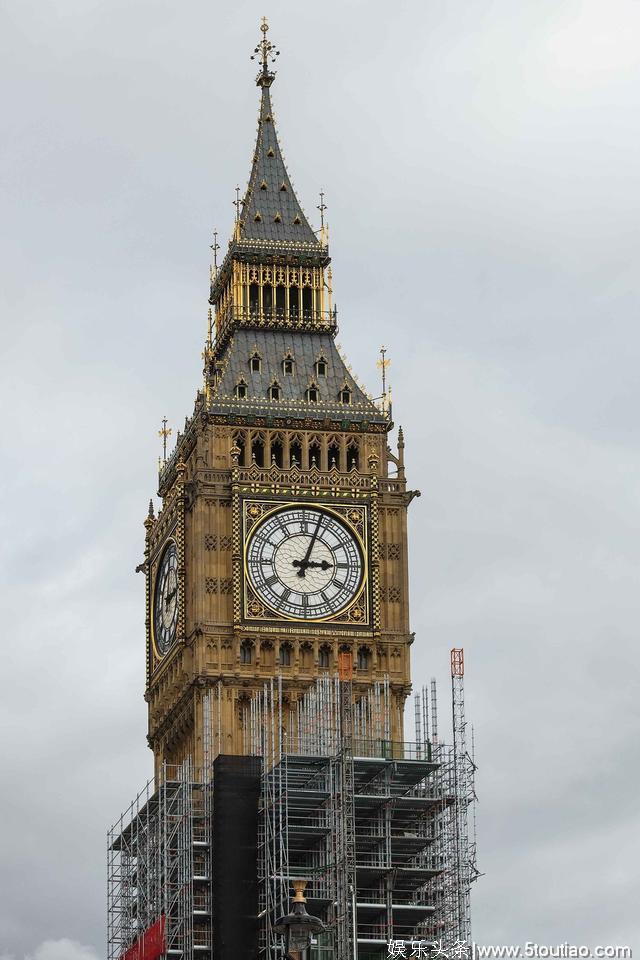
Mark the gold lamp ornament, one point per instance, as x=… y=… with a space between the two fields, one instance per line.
x=298 y=927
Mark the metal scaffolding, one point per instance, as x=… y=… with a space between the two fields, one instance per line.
x=378 y=829
x=159 y=867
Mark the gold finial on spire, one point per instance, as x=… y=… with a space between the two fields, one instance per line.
x=265 y=52
x=164 y=433
x=383 y=363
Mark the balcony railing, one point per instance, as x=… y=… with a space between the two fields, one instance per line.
x=275 y=317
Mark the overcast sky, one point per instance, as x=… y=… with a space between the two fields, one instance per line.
x=481 y=165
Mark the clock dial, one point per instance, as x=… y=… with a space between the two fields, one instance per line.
x=165 y=603
x=304 y=563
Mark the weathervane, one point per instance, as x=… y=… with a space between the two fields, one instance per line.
x=164 y=433
x=265 y=52
x=383 y=363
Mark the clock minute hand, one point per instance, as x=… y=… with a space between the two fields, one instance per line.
x=305 y=561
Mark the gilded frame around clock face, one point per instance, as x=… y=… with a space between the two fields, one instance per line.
x=305 y=562
x=164 y=601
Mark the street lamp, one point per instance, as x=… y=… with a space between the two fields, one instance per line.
x=298 y=927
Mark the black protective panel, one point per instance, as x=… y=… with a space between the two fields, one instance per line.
x=236 y=789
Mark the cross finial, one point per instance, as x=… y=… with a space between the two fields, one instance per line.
x=236 y=204
x=164 y=433
x=266 y=53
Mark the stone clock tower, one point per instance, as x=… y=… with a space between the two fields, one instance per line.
x=282 y=537
x=278 y=641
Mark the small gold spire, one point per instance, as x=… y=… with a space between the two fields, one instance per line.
x=382 y=364
x=163 y=434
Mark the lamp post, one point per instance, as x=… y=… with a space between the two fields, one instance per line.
x=298 y=927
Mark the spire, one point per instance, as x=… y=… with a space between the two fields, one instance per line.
x=270 y=209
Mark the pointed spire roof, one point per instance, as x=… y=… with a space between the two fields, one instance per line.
x=270 y=209
x=269 y=219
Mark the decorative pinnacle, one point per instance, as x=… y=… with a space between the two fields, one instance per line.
x=163 y=434
x=322 y=207
x=215 y=246
x=265 y=52
x=382 y=364
x=299 y=888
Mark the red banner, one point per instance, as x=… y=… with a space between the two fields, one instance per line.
x=150 y=945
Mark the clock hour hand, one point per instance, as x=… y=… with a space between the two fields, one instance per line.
x=304 y=563
x=170 y=596
x=322 y=564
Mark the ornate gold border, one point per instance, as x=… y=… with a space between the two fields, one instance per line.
x=269 y=507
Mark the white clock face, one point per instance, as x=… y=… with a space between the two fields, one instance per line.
x=165 y=606
x=304 y=563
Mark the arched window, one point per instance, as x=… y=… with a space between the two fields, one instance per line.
x=240 y=389
x=274 y=391
x=321 y=367
x=295 y=453
x=324 y=657
x=255 y=362
x=246 y=652
x=267 y=299
x=345 y=395
x=333 y=454
x=288 y=365
x=285 y=654
x=314 y=454
x=293 y=301
x=307 y=301
x=364 y=658
x=254 y=298
x=238 y=439
x=353 y=455
x=312 y=394
x=257 y=451
x=277 y=452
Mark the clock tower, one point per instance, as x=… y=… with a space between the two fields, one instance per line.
x=281 y=542
x=278 y=641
